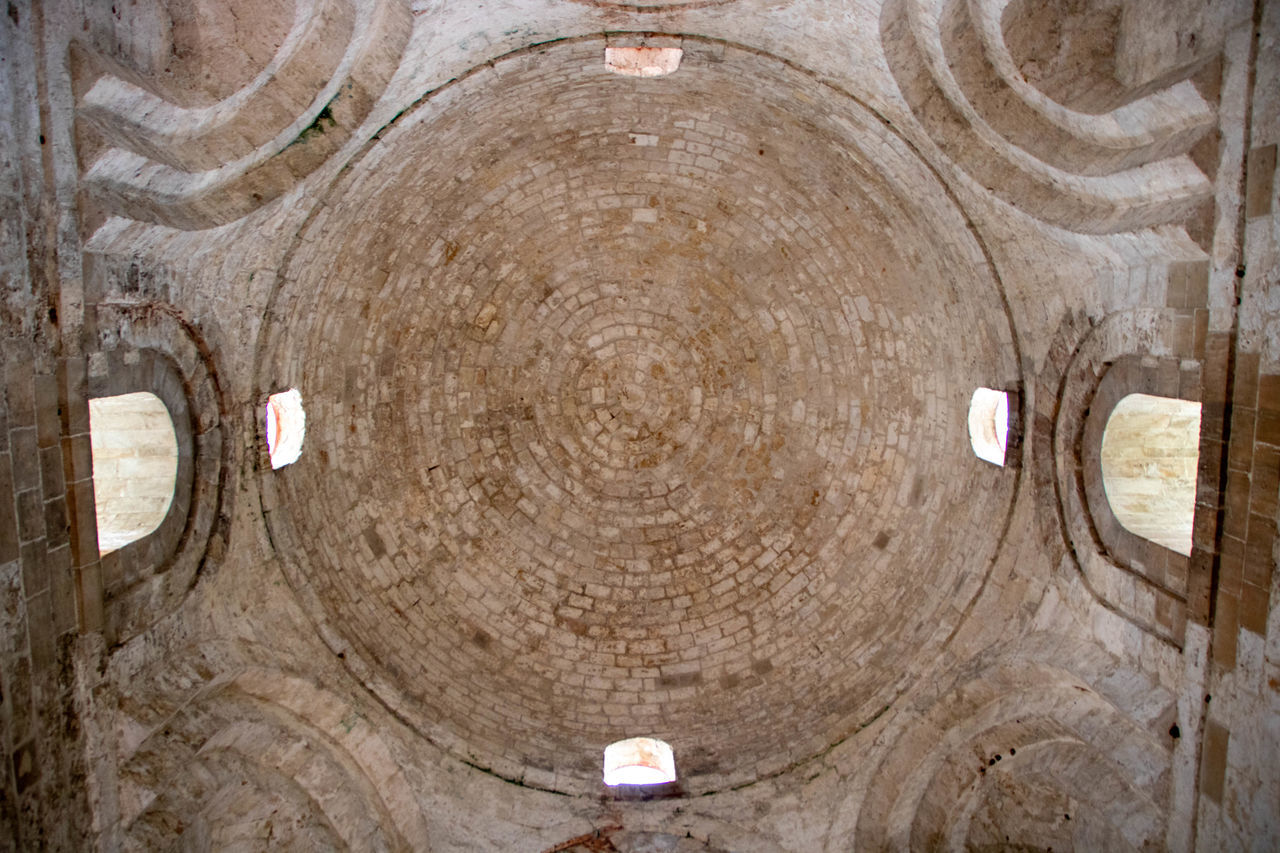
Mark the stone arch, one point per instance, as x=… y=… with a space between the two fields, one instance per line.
x=302 y=750
x=1152 y=587
x=144 y=348
x=1167 y=377
x=192 y=53
x=1124 y=169
x=152 y=155
x=1025 y=722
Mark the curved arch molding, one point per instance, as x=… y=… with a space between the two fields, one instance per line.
x=1118 y=171
x=265 y=746
x=1090 y=366
x=149 y=159
x=148 y=347
x=1001 y=760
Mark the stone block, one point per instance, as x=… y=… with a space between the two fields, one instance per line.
x=1240 y=455
x=73 y=376
x=1245 y=387
x=83 y=515
x=35 y=568
x=1258 y=549
x=20 y=395
x=1267 y=428
x=1198 y=284
x=1235 y=522
x=26 y=459
x=30 y=515
x=1226 y=625
x=8 y=513
x=1254 y=606
x=1231 y=567
x=51 y=473
x=1213 y=760
x=40 y=633
x=77 y=452
x=1260 y=175
x=1269 y=392
x=48 y=417
x=62 y=589
x=1264 y=478
x=89 y=584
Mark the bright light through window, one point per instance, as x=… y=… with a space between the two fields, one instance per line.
x=286 y=427
x=135 y=466
x=1150 y=454
x=639 y=761
x=989 y=424
x=642 y=61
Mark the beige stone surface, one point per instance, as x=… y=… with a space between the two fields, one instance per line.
x=637 y=405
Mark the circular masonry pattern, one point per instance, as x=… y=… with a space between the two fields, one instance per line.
x=637 y=405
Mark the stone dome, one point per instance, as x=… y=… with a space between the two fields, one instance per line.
x=638 y=408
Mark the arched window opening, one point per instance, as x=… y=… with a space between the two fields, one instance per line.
x=643 y=61
x=989 y=424
x=639 y=761
x=1150 y=450
x=135 y=466
x=286 y=427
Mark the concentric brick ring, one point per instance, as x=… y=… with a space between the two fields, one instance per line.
x=622 y=399
x=637 y=407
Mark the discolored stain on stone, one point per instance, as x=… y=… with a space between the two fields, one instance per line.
x=376 y=545
x=680 y=679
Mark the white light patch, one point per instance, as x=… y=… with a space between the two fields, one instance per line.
x=135 y=466
x=639 y=761
x=989 y=424
x=286 y=427
x=642 y=61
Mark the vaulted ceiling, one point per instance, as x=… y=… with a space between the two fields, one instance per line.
x=639 y=405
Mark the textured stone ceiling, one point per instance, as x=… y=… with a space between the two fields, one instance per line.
x=637 y=407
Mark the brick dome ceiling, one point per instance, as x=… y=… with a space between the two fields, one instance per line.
x=635 y=409
x=639 y=407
